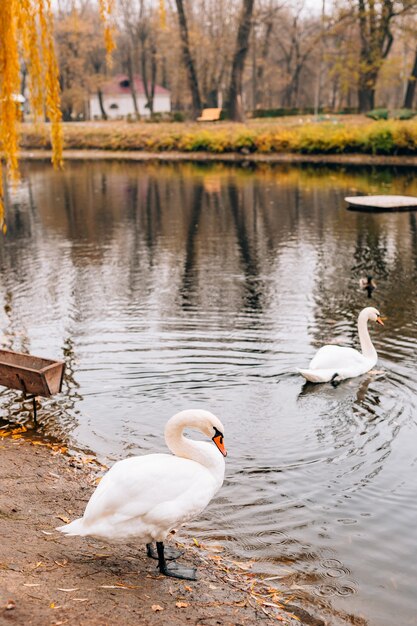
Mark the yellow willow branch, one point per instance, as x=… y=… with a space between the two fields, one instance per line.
x=52 y=100
x=162 y=14
x=9 y=86
x=106 y=8
x=31 y=53
x=26 y=28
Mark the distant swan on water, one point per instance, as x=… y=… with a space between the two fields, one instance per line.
x=334 y=363
x=367 y=284
x=145 y=497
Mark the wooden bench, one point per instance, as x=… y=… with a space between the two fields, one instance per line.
x=209 y=115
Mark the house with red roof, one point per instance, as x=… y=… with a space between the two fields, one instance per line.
x=116 y=98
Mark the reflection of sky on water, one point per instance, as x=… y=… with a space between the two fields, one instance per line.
x=171 y=286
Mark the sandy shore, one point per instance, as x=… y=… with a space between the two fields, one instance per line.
x=138 y=155
x=49 y=579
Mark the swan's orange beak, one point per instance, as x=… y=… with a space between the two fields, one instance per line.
x=218 y=440
x=379 y=321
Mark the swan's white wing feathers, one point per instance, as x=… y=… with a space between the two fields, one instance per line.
x=146 y=497
x=136 y=485
x=337 y=357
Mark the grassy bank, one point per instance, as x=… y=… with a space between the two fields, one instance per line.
x=300 y=137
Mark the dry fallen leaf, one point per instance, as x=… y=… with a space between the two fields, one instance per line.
x=69 y=589
x=101 y=555
x=181 y=605
x=31 y=584
x=244 y=566
x=80 y=599
x=187 y=588
x=63 y=518
x=11 y=604
x=38 y=564
x=157 y=607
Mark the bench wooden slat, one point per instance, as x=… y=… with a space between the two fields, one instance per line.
x=209 y=115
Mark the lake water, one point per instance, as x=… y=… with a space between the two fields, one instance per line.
x=171 y=286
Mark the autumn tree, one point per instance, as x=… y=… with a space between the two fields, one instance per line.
x=234 y=97
x=188 y=58
x=411 y=31
x=142 y=25
x=375 y=20
x=411 y=85
x=265 y=21
x=81 y=58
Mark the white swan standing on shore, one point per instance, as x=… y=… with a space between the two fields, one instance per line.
x=145 y=497
x=335 y=363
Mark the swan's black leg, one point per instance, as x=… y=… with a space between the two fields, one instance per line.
x=173 y=569
x=170 y=553
x=334 y=381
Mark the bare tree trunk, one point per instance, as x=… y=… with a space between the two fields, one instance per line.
x=188 y=59
x=234 y=99
x=254 y=72
x=144 y=71
x=411 y=86
x=101 y=104
x=132 y=84
x=153 y=77
x=261 y=67
x=376 y=42
x=366 y=92
x=149 y=86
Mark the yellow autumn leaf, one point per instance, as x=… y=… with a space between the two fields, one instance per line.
x=181 y=605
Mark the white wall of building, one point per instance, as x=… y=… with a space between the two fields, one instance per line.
x=122 y=105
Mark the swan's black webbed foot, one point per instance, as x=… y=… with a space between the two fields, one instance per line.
x=173 y=569
x=179 y=571
x=170 y=553
x=334 y=381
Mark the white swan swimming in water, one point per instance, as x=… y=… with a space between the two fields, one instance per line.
x=335 y=363
x=145 y=497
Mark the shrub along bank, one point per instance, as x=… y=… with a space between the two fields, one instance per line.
x=389 y=137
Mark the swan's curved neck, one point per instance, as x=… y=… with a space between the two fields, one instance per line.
x=202 y=452
x=367 y=347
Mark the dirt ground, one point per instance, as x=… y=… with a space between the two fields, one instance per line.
x=49 y=579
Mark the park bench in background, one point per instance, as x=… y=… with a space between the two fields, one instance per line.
x=209 y=115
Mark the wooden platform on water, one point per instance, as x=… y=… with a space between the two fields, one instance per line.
x=382 y=203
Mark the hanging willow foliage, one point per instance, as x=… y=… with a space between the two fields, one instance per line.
x=26 y=37
x=162 y=14
x=106 y=9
